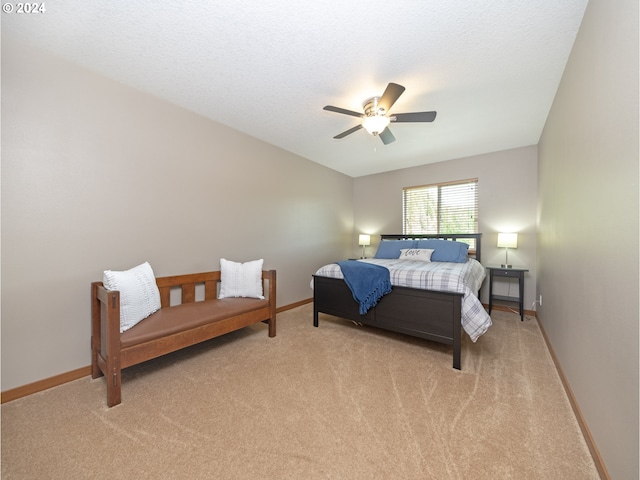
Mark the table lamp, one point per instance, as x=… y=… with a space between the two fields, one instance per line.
x=507 y=241
x=364 y=240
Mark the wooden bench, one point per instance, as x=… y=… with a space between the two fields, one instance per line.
x=173 y=327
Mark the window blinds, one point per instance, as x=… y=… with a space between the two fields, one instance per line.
x=441 y=208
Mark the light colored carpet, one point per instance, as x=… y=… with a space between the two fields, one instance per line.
x=334 y=402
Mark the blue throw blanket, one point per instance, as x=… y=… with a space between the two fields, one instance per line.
x=368 y=282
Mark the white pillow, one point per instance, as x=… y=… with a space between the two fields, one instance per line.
x=241 y=279
x=419 y=254
x=139 y=294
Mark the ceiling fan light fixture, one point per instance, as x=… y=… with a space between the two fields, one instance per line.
x=375 y=124
x=376 y=117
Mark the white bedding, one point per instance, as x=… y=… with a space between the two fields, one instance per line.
x=464 y=278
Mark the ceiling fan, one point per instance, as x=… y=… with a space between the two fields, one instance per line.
x=376 y=117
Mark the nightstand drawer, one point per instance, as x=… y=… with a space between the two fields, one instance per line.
x=507 y=273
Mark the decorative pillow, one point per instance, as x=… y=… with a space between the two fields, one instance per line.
x=446 y=250
x=241 y=279
x=419 y=254
x=139 y=294
x=391 y=248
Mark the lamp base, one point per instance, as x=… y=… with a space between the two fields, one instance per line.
x=506 y=266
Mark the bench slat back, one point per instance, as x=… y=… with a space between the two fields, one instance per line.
x=187 y=284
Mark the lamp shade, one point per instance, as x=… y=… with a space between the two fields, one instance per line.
x=364 y=240
x=507 y=240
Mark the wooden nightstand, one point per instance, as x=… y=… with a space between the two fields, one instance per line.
x=501 y=272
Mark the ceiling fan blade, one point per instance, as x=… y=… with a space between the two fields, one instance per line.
x=386 y=136
x=344 y=111
x=414 y=117
x=390 y=95
x=348 y=132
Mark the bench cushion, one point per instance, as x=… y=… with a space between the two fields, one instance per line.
x=171 y=320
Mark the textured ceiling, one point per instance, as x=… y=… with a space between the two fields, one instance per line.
x=489 y=68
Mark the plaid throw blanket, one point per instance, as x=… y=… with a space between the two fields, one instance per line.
x=368 y=282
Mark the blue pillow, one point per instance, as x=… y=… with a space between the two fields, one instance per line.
x=391 y=248
x=445 y=250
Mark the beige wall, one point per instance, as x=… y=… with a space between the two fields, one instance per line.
x=588 y=228
x=96 y=176
x=507 y=183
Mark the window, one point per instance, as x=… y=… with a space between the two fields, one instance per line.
x=441 y=208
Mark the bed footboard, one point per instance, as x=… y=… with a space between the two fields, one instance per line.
x=431 y=315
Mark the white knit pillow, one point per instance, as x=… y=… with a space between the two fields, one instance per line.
x=241 y=279
x=139 y=294
x=419 y=254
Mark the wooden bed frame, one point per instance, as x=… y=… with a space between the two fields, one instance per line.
x=420 y=313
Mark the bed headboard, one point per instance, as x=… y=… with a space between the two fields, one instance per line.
x=473 y=252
